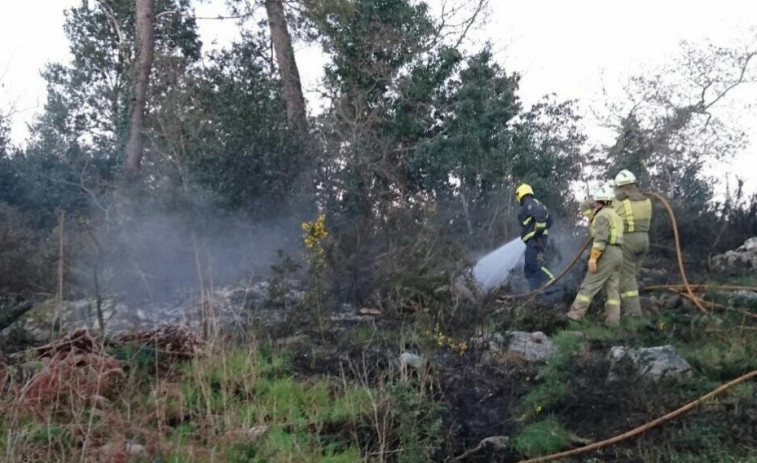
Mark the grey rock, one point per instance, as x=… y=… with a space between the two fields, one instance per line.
x=651 y=363
x=738 y=260
x=535 y=347
x=230 y=307
x=408 y=359
x=743 y=296
x=496 y=443
x=531 y=347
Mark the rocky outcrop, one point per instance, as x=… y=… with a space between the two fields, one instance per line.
x=227 y=310
x=651 y=363
x=744 y=258
x=516 y=346
x=223 y=308
x=743 y=297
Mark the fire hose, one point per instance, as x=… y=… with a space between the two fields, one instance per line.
x=679 y=257
x=553 y=280
x=689 y=293
x=645 y=427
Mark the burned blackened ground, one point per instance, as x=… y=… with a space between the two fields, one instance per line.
x=478 y=398
x=435 y=392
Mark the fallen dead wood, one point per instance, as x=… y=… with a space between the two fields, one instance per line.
x=173 y=340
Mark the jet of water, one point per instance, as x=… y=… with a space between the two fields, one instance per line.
x=493 y=269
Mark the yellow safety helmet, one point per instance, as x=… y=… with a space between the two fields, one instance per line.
x=523 y=190
x=625 y=177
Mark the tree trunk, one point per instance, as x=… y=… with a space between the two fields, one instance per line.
x=142 y=66
x=290 y=76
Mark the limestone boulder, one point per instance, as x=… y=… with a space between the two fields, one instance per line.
x=651 y=363
x=739 y=260
x=226 y=308
x=528 y=347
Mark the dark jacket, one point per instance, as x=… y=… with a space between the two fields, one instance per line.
x=534 y=219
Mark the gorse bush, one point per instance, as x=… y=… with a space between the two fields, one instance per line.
x=554 y=383
x=542 y=438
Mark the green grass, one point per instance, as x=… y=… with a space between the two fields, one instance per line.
x=695 y=442
x=544 y=397
x=280 y=446
x=723 y=359
x=248 y=389
x=205 y=409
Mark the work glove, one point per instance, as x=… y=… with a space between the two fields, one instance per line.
x=593 y=258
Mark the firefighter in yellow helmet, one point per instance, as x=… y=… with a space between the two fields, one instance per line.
x=535 y=222
x=605 y=260
x=635 y=210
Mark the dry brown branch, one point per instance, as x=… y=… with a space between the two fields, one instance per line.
x=172 y=340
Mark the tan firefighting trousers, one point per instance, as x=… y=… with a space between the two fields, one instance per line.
x=607 y=277
x=635 y=246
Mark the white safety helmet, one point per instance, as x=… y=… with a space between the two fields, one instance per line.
x=624 y=177
x=604 y=193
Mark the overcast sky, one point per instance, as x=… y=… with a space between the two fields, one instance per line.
x=572 y=48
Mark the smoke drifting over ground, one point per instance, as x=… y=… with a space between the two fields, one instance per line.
x=152 y=254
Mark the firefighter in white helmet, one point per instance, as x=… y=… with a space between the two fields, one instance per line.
x=604 y=261
x=635 y=210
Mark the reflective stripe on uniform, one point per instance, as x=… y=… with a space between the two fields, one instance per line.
x=613 y=233
x=527 y=221
x=583 y=298
x=540 y=225
x=629 y=215
x=613 y=302
x=549 y=274
x=634 y=293
x=528 y=236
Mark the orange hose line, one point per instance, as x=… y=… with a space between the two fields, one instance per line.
x=553 y=280
x=702 y=286
x=679 y=256
x=645 y=427
x=712 y=304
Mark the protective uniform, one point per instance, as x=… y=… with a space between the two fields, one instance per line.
x=604 y=264
x=635 y=210
x=535 y=222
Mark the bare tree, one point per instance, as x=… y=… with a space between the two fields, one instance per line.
x=145 y=34
x=455 y=20
x=671 y=122
x=290 y=76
